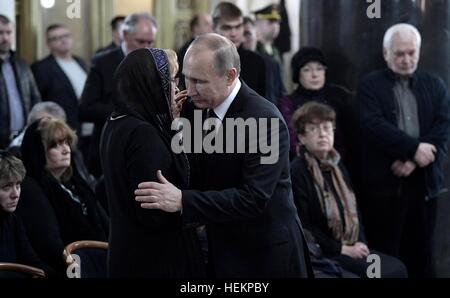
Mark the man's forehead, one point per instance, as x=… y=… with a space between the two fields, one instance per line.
x=233 y=21
x=58 y=30
x=145 y=27
x=403 y=39
x=6 y=27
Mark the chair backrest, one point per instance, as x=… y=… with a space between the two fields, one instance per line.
x=15 y=270
x=86 y=259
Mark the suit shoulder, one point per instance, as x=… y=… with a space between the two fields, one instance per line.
x=373 y=76
x=429 y=77
x=134 y=126
x=261 y=107
x=42 y=64
x=106 y=57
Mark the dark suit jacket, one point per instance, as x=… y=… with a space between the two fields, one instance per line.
x=252 y=224
x=96 y=101
x=253 y=71
x=55 y=86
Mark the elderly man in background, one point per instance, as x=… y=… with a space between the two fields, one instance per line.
x=405 y=124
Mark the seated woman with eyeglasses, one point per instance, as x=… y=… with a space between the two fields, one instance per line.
x=324 y=196
x=14 y=244
x=58 y=207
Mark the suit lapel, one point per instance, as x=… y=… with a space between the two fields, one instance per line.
x=63 y=77
x=238 y=103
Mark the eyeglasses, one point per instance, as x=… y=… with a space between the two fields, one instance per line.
x=58 y=38
x=315 y=129
x=308 y=69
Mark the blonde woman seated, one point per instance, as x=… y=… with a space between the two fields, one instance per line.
x=324 y=197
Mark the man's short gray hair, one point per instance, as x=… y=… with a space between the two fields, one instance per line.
x=49 y=107
x=130 y=22
x=402 y=29
x=226 y=55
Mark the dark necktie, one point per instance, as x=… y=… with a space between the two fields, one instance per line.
x=210 y=114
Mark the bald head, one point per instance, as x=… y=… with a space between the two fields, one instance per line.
x=225 y=55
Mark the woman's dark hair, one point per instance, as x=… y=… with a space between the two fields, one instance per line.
x=310 y=112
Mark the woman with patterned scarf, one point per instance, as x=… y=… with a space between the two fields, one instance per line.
x=324 y=197
x=136 y=142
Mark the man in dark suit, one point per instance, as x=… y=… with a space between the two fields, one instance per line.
x=405 y=127
x=61 y=76
x=18 y=91
x=138 y=31
x=244 y=199
x=228 y=21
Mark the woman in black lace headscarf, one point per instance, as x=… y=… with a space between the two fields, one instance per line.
x=136 y=143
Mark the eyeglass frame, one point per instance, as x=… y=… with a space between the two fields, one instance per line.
x=59 y=38
x=317 y=127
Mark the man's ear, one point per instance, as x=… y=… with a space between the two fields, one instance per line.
x=385 y=54
x=125 y=35
x=231 y=76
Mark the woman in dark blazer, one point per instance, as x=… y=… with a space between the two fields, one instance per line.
x=136 y=142
x=324 y=196
x=58 y=206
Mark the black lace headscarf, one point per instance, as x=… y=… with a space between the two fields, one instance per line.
x=144 y=90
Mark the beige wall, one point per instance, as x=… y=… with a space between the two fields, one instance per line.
x=127 y=7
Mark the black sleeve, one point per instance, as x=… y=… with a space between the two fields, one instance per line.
x=41 y=79
x=147 y=154
x=41 y=224
x=262 y=77
x=35 y=95
x=25 y=252
x=377 y=129
x=93 y=107
x=439 y=132
x=303 y=192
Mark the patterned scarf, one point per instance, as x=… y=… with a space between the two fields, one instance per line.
x=327 y=199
